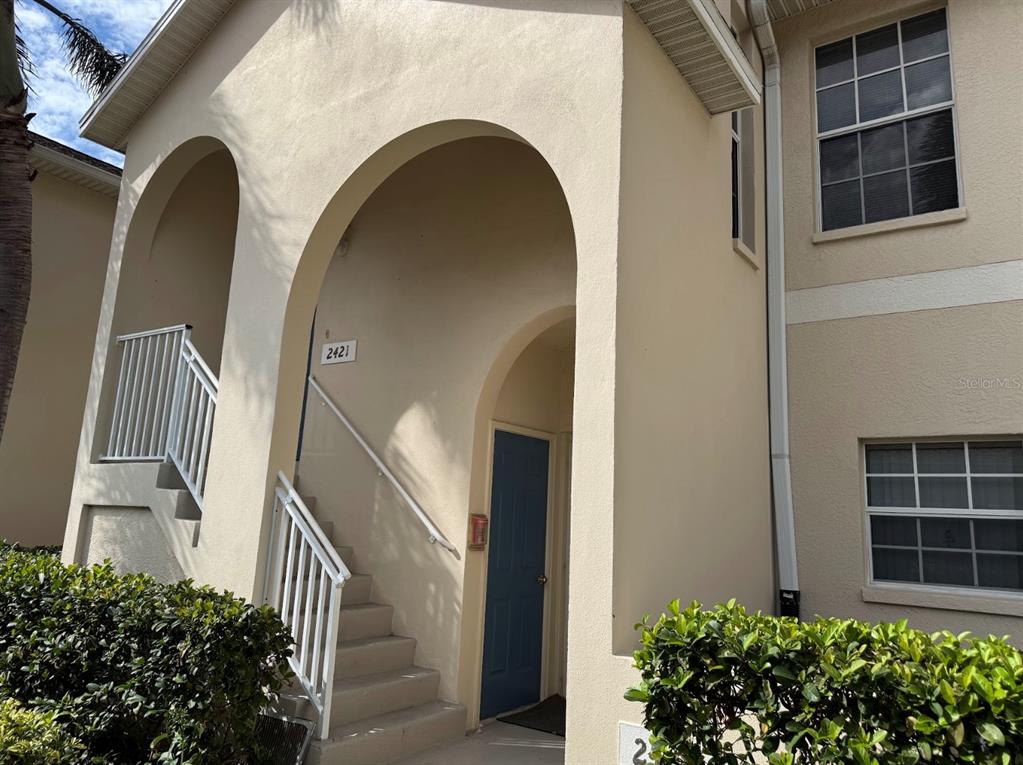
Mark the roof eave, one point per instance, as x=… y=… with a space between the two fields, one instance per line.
x=704 y=52
x=176 y=36
x=61 y=164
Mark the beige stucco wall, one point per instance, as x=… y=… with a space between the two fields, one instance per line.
x=355 y=116
x=897 y=376
x=985 y=36
x=446 y=262
x=690 y=382
x=690 y=402
x=183 y=274
x=677 y=346
x=71 y=230
x=131 y=539
x=537 y=393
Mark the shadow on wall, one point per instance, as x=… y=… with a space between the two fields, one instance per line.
x=448 y=260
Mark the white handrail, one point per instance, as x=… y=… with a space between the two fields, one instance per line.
x=195 y=405
x=328 y=547
x=435 y=535
x=304 y=579
x=164 y=405
x=147 y=384
x=150 y=332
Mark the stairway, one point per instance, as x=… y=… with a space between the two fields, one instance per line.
x=384 y=707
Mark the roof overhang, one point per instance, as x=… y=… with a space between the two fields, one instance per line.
x=53 y=158
x=696 y=38
x=167 y=48
x=692 y=33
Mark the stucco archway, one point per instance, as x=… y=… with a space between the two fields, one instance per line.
x=519 y=234
x=177 y=256
x=475 y=588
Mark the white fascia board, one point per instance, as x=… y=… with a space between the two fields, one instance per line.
x=148 y=42
x=719 y=33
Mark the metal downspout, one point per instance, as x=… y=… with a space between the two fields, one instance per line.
x=781 y=473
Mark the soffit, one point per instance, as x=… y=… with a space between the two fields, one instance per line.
x=167 y=48
x=53 y=158
x=694 y=35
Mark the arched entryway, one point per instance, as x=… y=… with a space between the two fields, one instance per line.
x=528 y=474
x=175 y=271
x=433 y=274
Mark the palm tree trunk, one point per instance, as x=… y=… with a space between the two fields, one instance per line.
x=15 y=209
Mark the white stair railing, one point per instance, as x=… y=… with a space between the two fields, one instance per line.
x=433 y=533
x=194 y=407
x=304 y=577
x=164 y=406
x=146 y=387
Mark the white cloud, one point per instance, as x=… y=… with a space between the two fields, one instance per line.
x=58 y=99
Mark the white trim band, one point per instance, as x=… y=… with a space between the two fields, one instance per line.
x=972 y=285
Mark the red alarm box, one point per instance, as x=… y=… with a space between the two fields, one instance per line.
x=478 y=524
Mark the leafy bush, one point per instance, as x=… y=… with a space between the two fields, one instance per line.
x=36 y=549
x=138 y=671
x=28 y=737
x=727 y=687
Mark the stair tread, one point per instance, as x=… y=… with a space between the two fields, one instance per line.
x=396 y=676
x=380 y=639
x=398 y=719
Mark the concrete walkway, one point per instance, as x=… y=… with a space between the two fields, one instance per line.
x=497 y=744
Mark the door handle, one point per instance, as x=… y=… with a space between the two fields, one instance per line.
x=542 y=579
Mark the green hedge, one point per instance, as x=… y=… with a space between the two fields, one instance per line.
x=136 y=670
x=29 y=737
x=728 y=687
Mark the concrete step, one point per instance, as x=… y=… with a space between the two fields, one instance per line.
x=185 y=506
x=310 y=502
x=365 y=620
x=328 y=529
x=386 y=738
x=358 y=698
x=191 y=529
x=168 y=477
x=357 y=590
x=371 y=656
x=186 y=512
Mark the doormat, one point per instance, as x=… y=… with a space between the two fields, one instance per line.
x=547 y=716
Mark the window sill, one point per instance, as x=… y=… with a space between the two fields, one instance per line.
x=884 y=226
x=946 y=598
x=747 y=254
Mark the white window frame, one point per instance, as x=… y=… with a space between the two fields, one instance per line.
x=858 y=127
x=743 y=135
x=918 y=512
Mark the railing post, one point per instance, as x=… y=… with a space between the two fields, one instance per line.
x=333 y=620
x=304 y=571
x=174 y=428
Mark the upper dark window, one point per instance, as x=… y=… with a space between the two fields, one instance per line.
x=743 y=197
x=886 y=124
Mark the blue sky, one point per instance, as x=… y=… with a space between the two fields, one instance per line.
x=59 y=101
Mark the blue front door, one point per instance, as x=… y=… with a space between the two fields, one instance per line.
x=513 y=631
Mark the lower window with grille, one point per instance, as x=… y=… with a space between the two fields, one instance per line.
x=946 y=513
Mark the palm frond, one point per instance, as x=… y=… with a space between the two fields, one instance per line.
x=24 y=58
x=88 y=59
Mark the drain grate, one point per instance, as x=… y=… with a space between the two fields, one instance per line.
x=282 y=740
